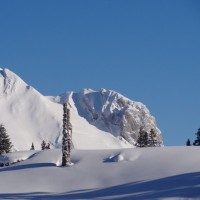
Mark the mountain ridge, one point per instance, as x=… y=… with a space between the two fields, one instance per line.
x=31 y=117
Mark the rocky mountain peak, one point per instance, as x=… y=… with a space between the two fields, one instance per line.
x=112 y=112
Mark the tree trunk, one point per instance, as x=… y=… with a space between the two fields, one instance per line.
x=67 y=136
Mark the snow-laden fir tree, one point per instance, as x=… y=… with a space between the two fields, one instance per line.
x=146 y=139
x=5 y=143
x=47 y=146
x=197 y=141
x=188 y=143
x=32 y=147
x=43 y=145
x=153 y=139
x=142 y=139
x=67 y=136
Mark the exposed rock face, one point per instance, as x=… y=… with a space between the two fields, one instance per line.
x=114 y=113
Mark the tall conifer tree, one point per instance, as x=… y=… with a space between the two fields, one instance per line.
x=43 y=145
x=67 y=136
x=5 y=143
x=32 y=147
x=152 y=141
x=197 y=141
x=188 y=143
x=142 y=139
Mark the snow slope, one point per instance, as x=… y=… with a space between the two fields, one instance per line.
x=142 y=173
x=29 y=116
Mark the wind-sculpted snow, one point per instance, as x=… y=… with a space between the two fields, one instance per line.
x=123 y=156
x=170 y=173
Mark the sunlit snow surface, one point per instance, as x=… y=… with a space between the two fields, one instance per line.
x=142 y=173
x=105 y=166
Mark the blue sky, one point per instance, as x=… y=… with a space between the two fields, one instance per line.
x=147 y=50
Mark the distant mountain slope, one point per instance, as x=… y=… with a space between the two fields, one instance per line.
x=100 y=120
x=27 y=115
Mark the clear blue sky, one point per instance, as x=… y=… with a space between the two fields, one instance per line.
x=147 y=50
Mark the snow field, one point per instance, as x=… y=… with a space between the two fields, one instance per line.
x=142 y=173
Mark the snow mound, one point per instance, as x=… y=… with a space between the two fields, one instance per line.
x=16 y=157
x=123 y=156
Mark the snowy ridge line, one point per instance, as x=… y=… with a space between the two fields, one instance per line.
x=99 y=118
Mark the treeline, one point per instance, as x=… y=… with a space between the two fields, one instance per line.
x=5 y=143
x=146 y=139
x=196 y=141
x=44 y=146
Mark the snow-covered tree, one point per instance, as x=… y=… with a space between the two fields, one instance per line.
x=188 y=143
x=142 y=139
x=146 y=139
x=32 y=147
x=153 y=140
x=197 y=141
x=5 y=143
x=67 y=136
x=43 y=145
x=47 y=146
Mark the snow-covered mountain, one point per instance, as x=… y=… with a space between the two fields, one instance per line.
x=100 y=119
x=112 y=112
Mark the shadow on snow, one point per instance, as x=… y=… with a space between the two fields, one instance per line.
x=180 y=186
x=25 y=166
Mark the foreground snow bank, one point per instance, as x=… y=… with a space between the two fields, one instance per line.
x=148 y=173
